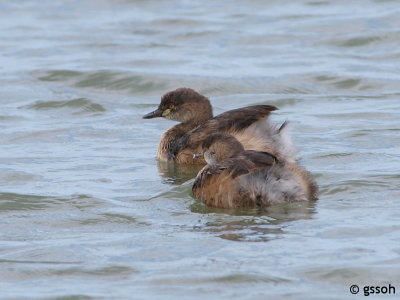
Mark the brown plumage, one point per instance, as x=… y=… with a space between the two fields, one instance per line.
x=235 y=177
x=194 y=112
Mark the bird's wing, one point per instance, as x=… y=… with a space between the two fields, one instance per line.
x=230 y=121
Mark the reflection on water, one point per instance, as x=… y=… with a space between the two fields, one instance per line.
x=253 y=224
x=177 y=173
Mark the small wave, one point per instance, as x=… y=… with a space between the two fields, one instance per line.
x=59 y=75
x=346 y=83
x=81 y=105
x=317 y=3
x=247 y=278
x=11 y=201
x=118 y=81
x=158 y=84
x=294 y=90
x=358 y=41
x=10 y=118
x=354 y=186
x=7 y=177
x=177 y=22
x=28 y=202
x=106 y=79
x=113 y=270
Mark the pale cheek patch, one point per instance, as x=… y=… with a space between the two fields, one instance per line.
x=166 y=113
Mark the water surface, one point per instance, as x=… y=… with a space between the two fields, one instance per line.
x=87 y=212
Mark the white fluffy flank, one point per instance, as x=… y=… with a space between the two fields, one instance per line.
x=284 y=141
x=273 y=185
x=264 y=136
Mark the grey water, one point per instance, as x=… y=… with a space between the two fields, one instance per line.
x=87 y=212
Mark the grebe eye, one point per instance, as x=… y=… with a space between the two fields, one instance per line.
x=212 y=152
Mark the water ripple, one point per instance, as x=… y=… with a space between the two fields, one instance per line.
x=79 y=106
